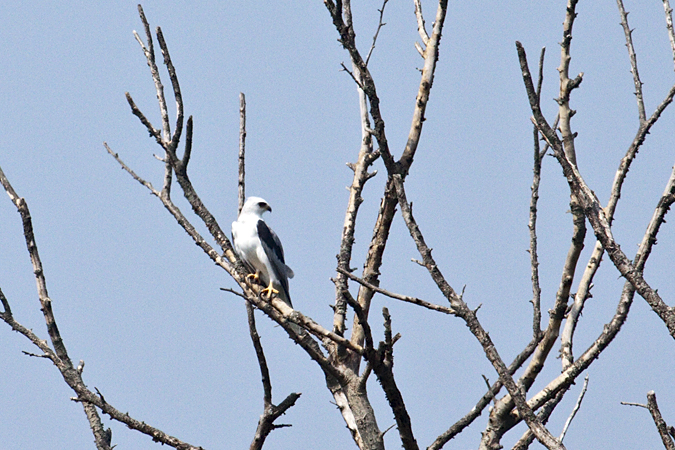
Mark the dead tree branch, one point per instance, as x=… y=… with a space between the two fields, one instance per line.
x=633 y=61
x=661 y=426
x=341 y=15
x=585 y=284
x=532 y=222
x=500 y=412
x=611 y=329
x=403 y=298
x=59 y=356
x=484 y=401
x=271 y=412
x=383 y=366
x=596 y=215
x=469 y=316
x=544 y=414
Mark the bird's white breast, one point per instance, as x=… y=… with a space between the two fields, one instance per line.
x=247 y=244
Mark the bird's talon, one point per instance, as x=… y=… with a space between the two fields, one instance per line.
x=269 y=291
x=252 y=276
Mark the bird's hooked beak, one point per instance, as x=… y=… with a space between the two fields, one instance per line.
x=268 y=208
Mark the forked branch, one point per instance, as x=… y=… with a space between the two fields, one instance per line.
x=585 y=283
x=594 y=212
x=469 y=316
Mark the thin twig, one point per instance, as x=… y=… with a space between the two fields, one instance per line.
x=42 y=344
x=380 y=24
x=149 y=52
x=632 y=151
x=567 y=85
x=176 y=90
x=6 y=309
x=133 y=174
x=577 y=405
x=38 y=270
x=532 y=223
x=404 y=298
x=489 y=386
x=352 y=74
x=669 y=25
x=658 y=218
x=423 y=93
x=154 y=132
x=421 y=27
x=639 y=405
x=171 y=142
x=188 y=143
x=232 y=291
x=633 y=61
x=242 y=151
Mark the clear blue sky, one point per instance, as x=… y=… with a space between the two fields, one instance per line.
x=140 y=303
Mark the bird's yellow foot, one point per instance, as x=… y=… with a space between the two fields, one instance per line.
x=269 y=290
x=252 y=276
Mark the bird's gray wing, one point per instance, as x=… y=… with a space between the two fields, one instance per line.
x=275 y=253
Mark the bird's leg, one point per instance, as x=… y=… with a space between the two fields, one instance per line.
x=269 y=290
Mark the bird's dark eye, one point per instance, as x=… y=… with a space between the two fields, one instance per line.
x=262 y=204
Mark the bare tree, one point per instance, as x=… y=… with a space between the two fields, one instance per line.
x=348 y=359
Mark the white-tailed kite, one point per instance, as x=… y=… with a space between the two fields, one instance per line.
x=260 y=249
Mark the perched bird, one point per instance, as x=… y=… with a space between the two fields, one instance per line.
x=260 y=249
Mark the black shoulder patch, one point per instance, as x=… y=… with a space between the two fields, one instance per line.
x=270 y=239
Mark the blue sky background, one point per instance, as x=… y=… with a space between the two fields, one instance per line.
x=140 y=303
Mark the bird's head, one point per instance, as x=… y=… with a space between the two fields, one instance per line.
x=256 y=206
